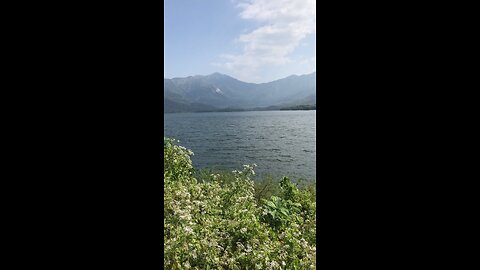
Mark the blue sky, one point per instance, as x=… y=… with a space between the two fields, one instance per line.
x=251 y=40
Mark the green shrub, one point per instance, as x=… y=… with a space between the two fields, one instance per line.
x=216 y=222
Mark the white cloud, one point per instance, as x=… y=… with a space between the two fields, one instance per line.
x=285 y=24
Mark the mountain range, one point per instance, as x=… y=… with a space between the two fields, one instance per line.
x=216 y=92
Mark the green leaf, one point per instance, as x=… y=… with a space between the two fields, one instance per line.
x=297 y=204
x=271 y=204
x=284 y=211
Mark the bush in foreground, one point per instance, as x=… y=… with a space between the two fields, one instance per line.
x=221 y=225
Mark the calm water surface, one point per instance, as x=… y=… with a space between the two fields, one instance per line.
x=279 y=142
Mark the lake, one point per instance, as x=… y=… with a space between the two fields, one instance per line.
x=279 y=142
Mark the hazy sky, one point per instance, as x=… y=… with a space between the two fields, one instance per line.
x=251 y=40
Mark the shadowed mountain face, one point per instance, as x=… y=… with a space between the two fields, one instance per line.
x=218 y=91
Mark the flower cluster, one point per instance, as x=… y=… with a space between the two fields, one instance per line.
x=221 y=225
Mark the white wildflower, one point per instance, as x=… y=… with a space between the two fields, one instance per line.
x=240 y=245
x=274 y=264
x=186 y=217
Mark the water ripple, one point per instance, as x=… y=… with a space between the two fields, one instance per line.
x=279 y=142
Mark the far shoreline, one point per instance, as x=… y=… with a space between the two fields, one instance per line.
x=249 y=110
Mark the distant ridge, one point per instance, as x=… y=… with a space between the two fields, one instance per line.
x=221 y=92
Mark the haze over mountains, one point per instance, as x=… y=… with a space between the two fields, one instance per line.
x=221 y=92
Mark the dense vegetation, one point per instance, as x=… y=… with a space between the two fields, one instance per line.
x=300 y=107
x=221 y=221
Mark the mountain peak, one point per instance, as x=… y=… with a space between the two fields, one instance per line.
x=220 y=76
x=217 y=74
